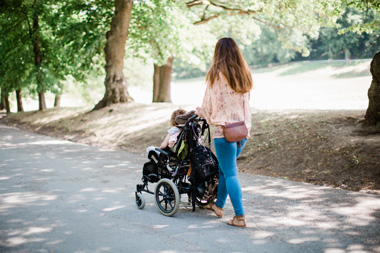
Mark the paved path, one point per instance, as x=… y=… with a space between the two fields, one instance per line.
x=58 y=196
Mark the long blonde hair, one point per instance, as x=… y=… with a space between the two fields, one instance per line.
x=229 y=60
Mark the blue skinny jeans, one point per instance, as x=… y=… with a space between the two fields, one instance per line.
x=229 y=184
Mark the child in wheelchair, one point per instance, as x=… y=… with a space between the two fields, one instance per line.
x=182 y=165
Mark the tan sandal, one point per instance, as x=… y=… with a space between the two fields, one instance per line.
x=237 y=221
x=217 y=210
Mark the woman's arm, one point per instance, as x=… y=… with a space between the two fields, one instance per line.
x=205 y=109
x=199 y=112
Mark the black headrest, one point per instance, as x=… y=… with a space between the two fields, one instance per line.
x=181 y=119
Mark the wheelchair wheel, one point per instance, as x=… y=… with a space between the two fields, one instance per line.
x=167 y=197
x=140 y=200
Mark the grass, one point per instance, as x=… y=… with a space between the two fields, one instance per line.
x=295 y=68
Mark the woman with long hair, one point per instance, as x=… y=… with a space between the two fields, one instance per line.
x=226 y=101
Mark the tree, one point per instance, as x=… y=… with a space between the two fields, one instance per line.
x=331 y=44
x=35 y=34
x=2 y=100
x=5 y=101
x=287 y=18
x=372 y=116
x=44 y=42
x=163 y=31
x=27 y=46
x=20 y=107
x=13 y=51
x=115 y=82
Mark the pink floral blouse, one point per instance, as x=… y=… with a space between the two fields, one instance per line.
x=222 y=106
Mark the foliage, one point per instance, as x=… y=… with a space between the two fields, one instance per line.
x=71 y=40
x=81 y=28
x=289 y=18
x=72 y=35
x=365 y=6
x=14 y=50
x=268 y=49
x=161 y=29
x=17 y=68
x=350 y=45
x=283 y=40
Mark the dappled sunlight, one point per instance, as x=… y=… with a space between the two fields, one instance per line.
x=46 y=188
x=159 y=226
x=113 y=208
x=37 y=230
x=303 y=240
x=276 y=189
x=113 y=190
x=58 y=194
x=114 y=128
x=88 y=190
x=16 y=241
x=315 y=211
x=23 y=199
x=51 y=115
x=360 y=214
x=50 y=142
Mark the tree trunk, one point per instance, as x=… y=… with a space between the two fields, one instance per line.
x=156 y=82
x=162 y=82
x=57 y=100
x=6 y=101
x=20 y=107
x=2 y=101
x=37 y=61
x=115 y=83
x=372 y=116
x=41 y=100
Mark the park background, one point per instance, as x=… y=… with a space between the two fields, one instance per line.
x=310 y=64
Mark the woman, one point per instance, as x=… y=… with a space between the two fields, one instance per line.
x=226 y=101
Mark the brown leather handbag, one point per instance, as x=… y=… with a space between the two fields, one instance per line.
x=236 y=132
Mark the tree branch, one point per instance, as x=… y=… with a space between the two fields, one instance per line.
x=232 y=12
x=29 y=27
x=234 y=9
x=205 y=20
x=194 y=3
x=277 y=27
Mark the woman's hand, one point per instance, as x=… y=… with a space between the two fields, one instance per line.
x=198 y=111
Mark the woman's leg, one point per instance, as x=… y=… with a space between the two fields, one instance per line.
x=229 y=183
x=222 y=189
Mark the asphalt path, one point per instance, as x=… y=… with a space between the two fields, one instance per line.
x=60 y=196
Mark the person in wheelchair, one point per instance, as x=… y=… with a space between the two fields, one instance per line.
x=172 y=134
x=176 y=169
x=166 y=153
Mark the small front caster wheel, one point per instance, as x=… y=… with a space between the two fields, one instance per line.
x=140 y=200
